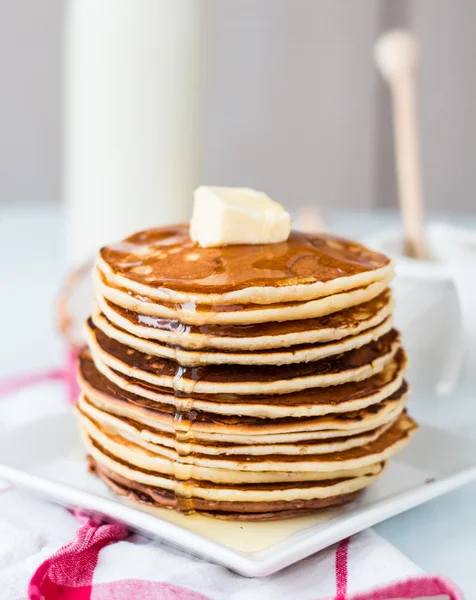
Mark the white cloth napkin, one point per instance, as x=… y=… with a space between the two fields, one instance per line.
x=31 y=531
x=47 y=553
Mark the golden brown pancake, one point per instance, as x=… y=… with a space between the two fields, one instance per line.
x=238 y=314
x=280 y=356
x=335 y=326
x=169 y=445
x=236 y=468
x=347 y=407
x=236 y=511
x=167 y=264
x=251 y=494
x=240 y=379
x=254 y=498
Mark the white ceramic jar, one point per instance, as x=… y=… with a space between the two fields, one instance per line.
x=429 y=317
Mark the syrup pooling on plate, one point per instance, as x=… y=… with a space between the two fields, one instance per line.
x=166 y=257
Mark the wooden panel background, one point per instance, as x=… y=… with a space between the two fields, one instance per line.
x=293 y=105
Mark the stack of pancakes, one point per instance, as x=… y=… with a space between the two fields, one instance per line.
x=245 y=382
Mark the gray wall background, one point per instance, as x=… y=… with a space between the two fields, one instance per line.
x=294 y=105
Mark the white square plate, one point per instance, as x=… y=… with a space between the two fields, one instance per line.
x=47 y=457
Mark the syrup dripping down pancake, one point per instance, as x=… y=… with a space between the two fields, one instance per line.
x=390 y=441
x=294 y=354
x=249 y=493
x=236 y=511
x=261 y=336
x=165 y=443
x=124 y=391
x=379 y=398
x=353 y=365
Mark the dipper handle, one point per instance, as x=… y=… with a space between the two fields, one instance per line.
x=397 y=54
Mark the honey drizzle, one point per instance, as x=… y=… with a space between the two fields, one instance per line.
x=184 y=415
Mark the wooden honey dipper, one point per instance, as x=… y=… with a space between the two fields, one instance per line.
x=397 y=54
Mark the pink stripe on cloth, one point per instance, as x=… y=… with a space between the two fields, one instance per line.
x=68 y=573
x=66 y=375
x=12 y=384
x=129 y=589
x=341 y=569
x=70 y=375
x=416 y=587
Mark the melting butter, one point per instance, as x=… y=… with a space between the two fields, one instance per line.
x=224 y=216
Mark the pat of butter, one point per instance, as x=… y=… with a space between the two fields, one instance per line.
x=224 y=216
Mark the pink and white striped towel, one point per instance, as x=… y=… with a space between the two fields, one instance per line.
x=45 y=556
x=47 y=553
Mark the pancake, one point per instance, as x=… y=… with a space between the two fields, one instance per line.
x=350 y=321
x=156 y=426
x=353 y=365
x=195 y=495
x=226 y=476
x=124 y=390
x=161 y=442
x=210 y=467
x=221 y=492
x=166 y=265
x=294 y=354
x=151 y=428
x=236 y=511
x=238 y=314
